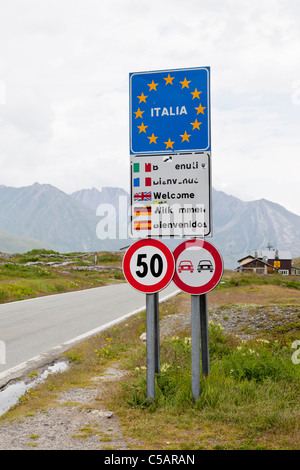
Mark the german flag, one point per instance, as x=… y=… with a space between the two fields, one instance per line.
x=142 y=225
x=144 y=210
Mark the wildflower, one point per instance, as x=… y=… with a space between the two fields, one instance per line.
x=164 y=367
x=187 y=340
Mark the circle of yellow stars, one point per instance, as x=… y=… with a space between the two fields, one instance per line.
x=153 y=87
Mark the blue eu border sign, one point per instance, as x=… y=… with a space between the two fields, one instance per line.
x=170 y=111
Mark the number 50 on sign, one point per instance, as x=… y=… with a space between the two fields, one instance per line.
x=148 y=265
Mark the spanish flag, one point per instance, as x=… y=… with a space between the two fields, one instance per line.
x=142 y=225
x=144 y=210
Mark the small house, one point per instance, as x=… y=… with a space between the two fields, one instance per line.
x=266 y=262
x=279 y=259
x=255 y=265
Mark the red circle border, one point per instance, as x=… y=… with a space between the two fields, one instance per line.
x=218 y=267
x=170 y=266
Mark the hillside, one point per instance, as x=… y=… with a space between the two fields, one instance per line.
x=243 y=227
x=68 y=223
x=49 y=215
x=10 y=243
x=239 y=227
x=92 y=198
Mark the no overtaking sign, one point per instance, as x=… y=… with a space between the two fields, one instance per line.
x=199 y=267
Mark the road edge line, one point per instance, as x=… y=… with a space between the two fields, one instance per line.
x=51 y=355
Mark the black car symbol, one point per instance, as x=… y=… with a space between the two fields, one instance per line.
x=205 y=265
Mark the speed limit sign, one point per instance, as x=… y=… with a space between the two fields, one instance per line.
x=148 y=265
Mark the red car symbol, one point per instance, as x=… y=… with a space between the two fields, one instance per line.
x=185 y=265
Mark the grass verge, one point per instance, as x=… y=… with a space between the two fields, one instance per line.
x=42 y=272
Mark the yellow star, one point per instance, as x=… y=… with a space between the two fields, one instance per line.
x=142 y=98
x=185 y=83
x=196 y=93
x=138 y=113
x=169 y=80
x=185 y=136
x=152 y=139
x=169 y=144
x=200 y=109
x=196 y=124
x=142 y=128
x=152 y=86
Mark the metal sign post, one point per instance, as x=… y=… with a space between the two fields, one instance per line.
x=150 y=345
x=156 y=330
x=199 y=268
x=148 y=266
x=204 y=335
x=199 y=327
x=195 y=337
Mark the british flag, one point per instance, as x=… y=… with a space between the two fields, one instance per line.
x=142 y=196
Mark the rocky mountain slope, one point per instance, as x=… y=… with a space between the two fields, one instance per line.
x=239 y=227
x=243 y=227
x=49 y=215
x=68 y=222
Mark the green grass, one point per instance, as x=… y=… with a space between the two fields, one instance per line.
x=28 y=272
x=259 y=366
x=16 y=292
x=19 y=281
x=251 y=393
x=252 y=279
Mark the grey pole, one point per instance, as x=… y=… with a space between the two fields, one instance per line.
x=150 y=345
x=157 y=346
x=204 y=335
x=195 y=337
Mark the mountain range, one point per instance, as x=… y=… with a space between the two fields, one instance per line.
x=42 y=215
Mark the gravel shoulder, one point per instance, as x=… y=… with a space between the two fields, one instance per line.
x=77 y=421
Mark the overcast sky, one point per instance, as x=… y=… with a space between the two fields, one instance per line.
x=64 y=88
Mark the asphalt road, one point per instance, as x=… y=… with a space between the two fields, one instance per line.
x=34 y=331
